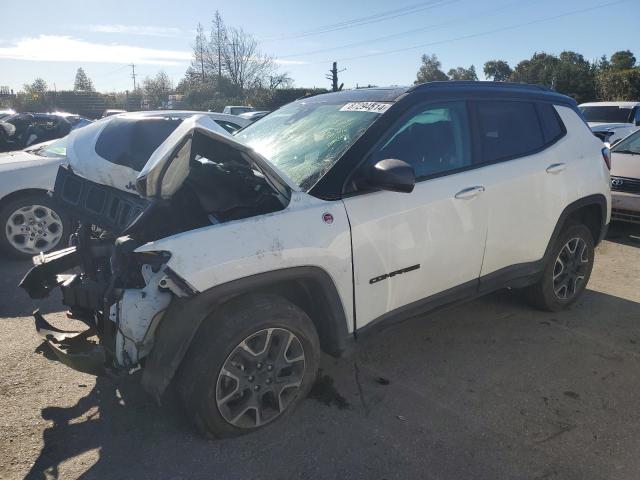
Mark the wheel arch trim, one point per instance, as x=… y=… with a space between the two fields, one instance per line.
x=184 y=316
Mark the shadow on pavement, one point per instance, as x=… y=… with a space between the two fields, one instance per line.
x=490 y=389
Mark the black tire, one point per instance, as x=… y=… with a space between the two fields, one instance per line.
x=201 y=380
x=543 y=294
x=7 y=211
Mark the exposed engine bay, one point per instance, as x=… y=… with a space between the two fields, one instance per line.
x=121 y=294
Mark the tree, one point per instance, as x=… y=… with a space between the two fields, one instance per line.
x=83 y=83
x=497 y=70
x=430 y=70
x=199 y=52
x=618 y=84
x=217 y=43
x=37 y=88
x=462 y=73
x=623 y=60
x=575 y=76
x=156 y=90
x=540 y=69
x=243 y=63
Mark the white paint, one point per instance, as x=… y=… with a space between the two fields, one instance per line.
x=525 y=200
x=295 y=236
x=430 y=227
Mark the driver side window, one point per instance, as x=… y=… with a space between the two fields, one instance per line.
x=434 y=139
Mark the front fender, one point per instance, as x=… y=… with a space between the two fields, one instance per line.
x=185 y=315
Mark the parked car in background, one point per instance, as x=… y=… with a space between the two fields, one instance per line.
x=6 y=113
x=241 y=258
x=30 y=221
x=625 y=179
x=22 y=130
x=112 y=111
x=237 y=109
x=612 y=121
x=253 y=116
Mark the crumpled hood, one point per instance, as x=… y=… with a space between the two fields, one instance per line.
x=169 y=165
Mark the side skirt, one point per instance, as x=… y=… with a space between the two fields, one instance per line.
x=516 y=276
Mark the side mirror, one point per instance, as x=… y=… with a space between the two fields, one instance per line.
x=393 y=175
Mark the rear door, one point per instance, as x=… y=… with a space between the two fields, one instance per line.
x=525 y=178
x=427 y=244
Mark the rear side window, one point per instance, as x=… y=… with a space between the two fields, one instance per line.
x=552 y=126
x=508 y=129
x=130 y=142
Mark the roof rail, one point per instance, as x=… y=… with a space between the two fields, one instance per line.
x=469 y=83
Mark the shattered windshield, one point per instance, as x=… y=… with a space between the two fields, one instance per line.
x=305 y=139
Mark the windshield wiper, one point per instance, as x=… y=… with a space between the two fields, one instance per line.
x=627 y=151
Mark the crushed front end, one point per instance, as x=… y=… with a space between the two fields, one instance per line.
x=198 y=178
x=120 y=295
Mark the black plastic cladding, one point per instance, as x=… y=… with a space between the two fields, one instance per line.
x=329 y=187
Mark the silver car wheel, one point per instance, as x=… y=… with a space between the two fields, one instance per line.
x=33 y=229
x=260 y=378
x=570 y=268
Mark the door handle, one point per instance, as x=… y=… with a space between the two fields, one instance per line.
x=556 y=167
x=470 y=192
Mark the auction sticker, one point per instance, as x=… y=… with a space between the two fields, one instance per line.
x=374 y=107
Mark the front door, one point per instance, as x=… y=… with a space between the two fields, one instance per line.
x=427 y=244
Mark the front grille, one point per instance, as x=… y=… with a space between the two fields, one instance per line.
x=625 y=215
x=625 y=184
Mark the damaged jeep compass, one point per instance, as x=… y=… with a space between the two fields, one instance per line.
x=242 y=257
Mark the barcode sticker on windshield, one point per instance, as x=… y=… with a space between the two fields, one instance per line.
x=375 y=107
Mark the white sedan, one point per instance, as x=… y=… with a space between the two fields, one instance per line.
x=30 y=220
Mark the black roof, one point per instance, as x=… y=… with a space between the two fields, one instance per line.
x=390 y=94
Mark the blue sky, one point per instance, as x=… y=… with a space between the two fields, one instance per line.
x=52 y=39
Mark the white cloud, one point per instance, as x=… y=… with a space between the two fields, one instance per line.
x=55 y=48
x=146 y=30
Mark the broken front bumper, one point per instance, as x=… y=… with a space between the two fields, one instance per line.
x=74 y=349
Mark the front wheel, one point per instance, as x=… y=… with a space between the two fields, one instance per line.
x=250 y=364
x=567 y=271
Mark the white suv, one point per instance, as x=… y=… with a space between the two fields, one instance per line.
x=612 y=121
x=243 y=257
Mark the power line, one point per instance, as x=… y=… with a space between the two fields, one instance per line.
x=357 y=22
x=474 y=35
x=404 y=33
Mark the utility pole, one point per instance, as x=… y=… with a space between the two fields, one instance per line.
x=133 y=75
x=333 y=76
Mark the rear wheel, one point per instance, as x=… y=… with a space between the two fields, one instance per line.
x=567 y=272
x=249 y=365
x=31 y=224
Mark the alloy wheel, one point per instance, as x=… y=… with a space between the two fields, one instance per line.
x=260 y=378
x=570 y=268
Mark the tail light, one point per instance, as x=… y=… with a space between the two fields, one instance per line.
x=606 y=156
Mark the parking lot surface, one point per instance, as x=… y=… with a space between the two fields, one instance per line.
x=490 y=389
